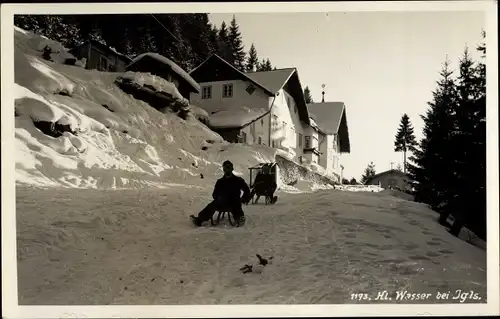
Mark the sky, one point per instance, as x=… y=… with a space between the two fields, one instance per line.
x=380 y=64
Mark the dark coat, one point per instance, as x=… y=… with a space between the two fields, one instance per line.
x=264 y=183
x=228 y=190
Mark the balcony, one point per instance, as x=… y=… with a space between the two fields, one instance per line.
x=313 y=150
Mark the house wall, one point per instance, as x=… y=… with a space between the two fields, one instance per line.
x=257 y=100
x=325 y=159
x=286 y=124
x=259 y=128
x=93 y=55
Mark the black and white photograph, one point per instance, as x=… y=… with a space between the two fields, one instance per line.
x=263 y=159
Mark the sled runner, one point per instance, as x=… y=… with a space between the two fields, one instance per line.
x=220 y=216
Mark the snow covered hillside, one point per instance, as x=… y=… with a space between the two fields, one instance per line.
x=136 y=247
x=110 y=140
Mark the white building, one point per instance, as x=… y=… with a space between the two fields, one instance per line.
x=331 y=120
x=265 y=108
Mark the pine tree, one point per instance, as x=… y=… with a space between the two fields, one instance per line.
x=268 y=66
x=307 y=95
x=253 y=59
x=405 y=138
x=236 y=46
x=353 y=181
x=469 y=158
x=429 y=172
x=369 y=172
x=224 y=46
x=196 y=31
x=460 y=145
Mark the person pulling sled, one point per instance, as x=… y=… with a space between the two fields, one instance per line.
x=226 y=197
x=264 y=185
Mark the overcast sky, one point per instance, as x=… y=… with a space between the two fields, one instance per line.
x=380 y=64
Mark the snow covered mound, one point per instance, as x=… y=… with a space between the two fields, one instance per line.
x=360 y=188
x=76 y=128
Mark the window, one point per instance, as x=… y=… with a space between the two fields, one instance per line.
x=103 y=63
x=261 y=122
x=300 y=140
x=206 y=92
x=275 y=121
x=260 y=140
x=250 y=89
x=307 y=142
x=227 y=90
x=243 y=137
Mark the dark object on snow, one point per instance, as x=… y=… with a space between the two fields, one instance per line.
x=52 y=129
x=107 y=108
x=262 y=261
x=70 y=61
x=201 y=176
x=165 y=68
x=204 y=148
x=246 y=269
x=47 y=51
x=64 y=92
x=226 y=195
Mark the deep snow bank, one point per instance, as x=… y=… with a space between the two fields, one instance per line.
x=99 y=137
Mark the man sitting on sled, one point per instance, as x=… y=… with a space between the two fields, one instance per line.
x=227 y=197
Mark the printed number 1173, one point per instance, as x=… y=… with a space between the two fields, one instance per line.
x=360 y=297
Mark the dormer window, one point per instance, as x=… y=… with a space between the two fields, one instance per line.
x=206 y=92
x=250 y=89
x=227 y=90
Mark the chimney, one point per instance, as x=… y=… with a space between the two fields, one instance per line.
x=254 y=68
x=323 y=94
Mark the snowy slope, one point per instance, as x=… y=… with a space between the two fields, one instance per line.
x=137 y=247
x=121 y=142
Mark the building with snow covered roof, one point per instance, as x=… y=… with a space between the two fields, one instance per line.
x=331 y=124
x=266 y=107
x=100 y=57
x=165 y=68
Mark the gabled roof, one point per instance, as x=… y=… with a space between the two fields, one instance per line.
x=391 y=172
x=269 y=81
x=165 y=62
x=272 y=80
x=287 y=78
x=243 y=76
x=331 y=119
